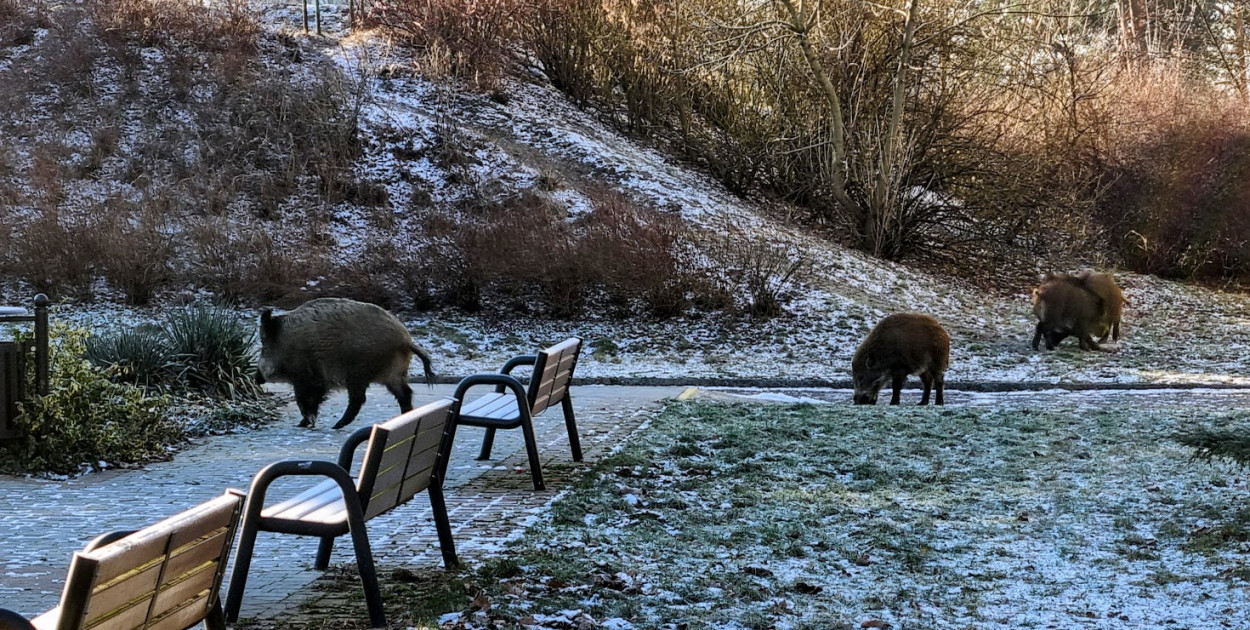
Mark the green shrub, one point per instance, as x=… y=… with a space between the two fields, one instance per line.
x=86 y=416
x=1225 y=443
x=213 y=350
x=141 y=357
x=200 y=350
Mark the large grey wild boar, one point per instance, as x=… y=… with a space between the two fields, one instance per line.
x=900 y=345
x=1083 y=305
x=334 y=343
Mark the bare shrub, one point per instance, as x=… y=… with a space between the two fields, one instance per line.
x=227 y=28
x=237 y=260
x=136 y=248
x=57 y=252
x=637 y=254
x=467 y=39
x=1179 y=200
x=768 y=271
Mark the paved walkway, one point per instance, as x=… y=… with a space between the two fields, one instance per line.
x=42 y=522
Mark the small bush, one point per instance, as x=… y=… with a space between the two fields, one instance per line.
x=467 y=39
x=214 y=351
x=57 y=252
x=140 y=357
x=198 y=351
x=767 y=271
x=86 y=417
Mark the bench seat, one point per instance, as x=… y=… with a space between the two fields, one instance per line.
x=514 y=405
x=403 y=456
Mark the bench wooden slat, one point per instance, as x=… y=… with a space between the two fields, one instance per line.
x=422 y=471
x=119 y=593
x=191 y=592
x=385 y=493
x=191 y=611
x=126 y=555
x=492 y=406
x=192 y=558
x=129 y=615
x=306 y=502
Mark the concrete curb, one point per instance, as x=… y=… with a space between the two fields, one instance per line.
x=806 y=383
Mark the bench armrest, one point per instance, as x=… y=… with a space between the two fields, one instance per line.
x=500 y=381
x=10 y=620
x=292 y=467
x=347 y=453
x=525 y=359
x=513 y=363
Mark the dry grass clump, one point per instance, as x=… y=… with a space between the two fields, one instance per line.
x=1002 y=140
x=143 y=127
x=468 y=39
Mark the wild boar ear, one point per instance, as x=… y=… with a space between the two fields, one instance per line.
x=269 y=322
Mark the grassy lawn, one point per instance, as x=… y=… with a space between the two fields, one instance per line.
x=1023 y=514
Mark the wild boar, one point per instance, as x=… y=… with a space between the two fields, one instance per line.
x=1065 y=306
x=1103 y=285
x=900 y=345
x=333 y=343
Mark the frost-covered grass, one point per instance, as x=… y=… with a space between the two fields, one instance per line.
x=1017 y=515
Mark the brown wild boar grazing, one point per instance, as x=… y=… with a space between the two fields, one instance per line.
x=1103 y=285
x=334 y=343
x=1065 y=306
x=900 y=345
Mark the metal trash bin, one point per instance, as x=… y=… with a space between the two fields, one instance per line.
x=12 y=385
x=13 y=356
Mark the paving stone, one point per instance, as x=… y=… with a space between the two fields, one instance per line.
x=42 y=522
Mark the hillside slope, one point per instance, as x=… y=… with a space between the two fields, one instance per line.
x=1173 y=333
x=529 y=137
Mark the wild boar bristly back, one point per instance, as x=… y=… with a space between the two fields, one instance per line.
x=335 y=343
x=899 y=345
x=1064 y=306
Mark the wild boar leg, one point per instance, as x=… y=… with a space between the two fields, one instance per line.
x=308 y=397
x=927 y=379
x=402 y=394
x=355 y=399
x=939 y=382
x=1037 y=336
x=899 y=381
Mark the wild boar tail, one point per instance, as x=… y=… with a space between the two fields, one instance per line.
x=425 y=363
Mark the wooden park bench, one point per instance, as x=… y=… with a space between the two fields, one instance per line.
x=404 y=456
x=512 y=405
x=163 y=577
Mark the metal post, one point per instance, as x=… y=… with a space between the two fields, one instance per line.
x=41 y=343
x=305 y=17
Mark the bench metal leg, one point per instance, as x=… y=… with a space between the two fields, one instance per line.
x=571 y=425
x=242 y=563
x=323 y=553
x=215 y=619
x=364 y=562
x=441 y=523
x=531 y=449
x=488 y=443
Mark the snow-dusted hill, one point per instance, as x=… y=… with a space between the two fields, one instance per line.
x=1173 y=333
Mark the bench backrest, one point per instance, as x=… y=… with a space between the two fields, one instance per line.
x=163 y=577
x=402 y=457
x=552 y=373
